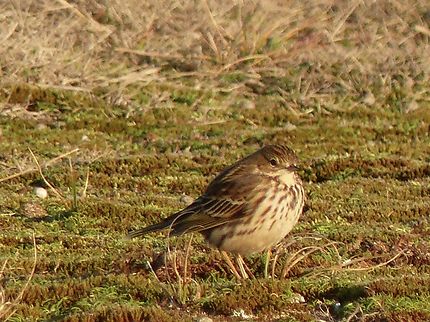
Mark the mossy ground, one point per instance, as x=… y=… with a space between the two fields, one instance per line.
x=358 y=118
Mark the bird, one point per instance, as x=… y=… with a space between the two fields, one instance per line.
x=249 y=207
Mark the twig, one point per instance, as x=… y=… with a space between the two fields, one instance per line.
x=372 y=267
x=9 y=33
x=216 y=26
x=240 y=60
x=7 y=214
x=153 y=272
x=73 y=184
x=311 y=249
x=34 y=169
x=187 y=253
x=175 y=268
x=354 y=313
x=84 y=192
x=149 y=54
x=94 y=25
x=43 y=177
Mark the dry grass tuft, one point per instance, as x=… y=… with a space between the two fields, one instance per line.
x=239 y=47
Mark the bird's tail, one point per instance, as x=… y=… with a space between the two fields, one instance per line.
x=179 y=223
x=143 y=231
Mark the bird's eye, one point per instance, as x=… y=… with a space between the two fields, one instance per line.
x=273 y=162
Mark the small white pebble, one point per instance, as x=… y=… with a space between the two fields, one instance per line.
x=40 y=192
x=85 y=138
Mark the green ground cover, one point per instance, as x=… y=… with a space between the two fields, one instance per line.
x=152 y=102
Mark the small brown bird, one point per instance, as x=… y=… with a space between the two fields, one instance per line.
x=249 y=207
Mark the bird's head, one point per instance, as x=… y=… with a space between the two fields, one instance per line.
x=278 y=161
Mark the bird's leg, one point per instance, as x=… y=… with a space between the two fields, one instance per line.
x=240 y=262
x=275 y=259
x=266 y=266
x=230 y=264
x=244 y=269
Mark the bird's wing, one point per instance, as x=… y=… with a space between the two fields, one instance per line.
x=226 y=199
x=204 y=214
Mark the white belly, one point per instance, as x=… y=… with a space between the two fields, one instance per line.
x=272 y=221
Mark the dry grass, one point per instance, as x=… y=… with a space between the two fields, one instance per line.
x=118 y=47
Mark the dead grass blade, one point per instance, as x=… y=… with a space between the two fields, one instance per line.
x=301 y=254
x=186 y=259
x=43 y=177
x=7 y=308
x=358 y=260
x=37 y=168
x=87 y=177
x=94 y=25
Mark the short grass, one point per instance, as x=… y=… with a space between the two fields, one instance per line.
x=143 y=102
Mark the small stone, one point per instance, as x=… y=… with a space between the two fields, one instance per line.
x=40 y=192
x=186 y=200
x=369 y=98
x=85 y=138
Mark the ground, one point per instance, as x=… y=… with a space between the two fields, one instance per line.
x=128 y=109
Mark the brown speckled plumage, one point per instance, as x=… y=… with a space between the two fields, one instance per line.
x=250 y=206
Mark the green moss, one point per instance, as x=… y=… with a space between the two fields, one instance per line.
x=366 y=172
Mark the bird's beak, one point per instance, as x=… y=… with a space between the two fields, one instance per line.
x=293 y=168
